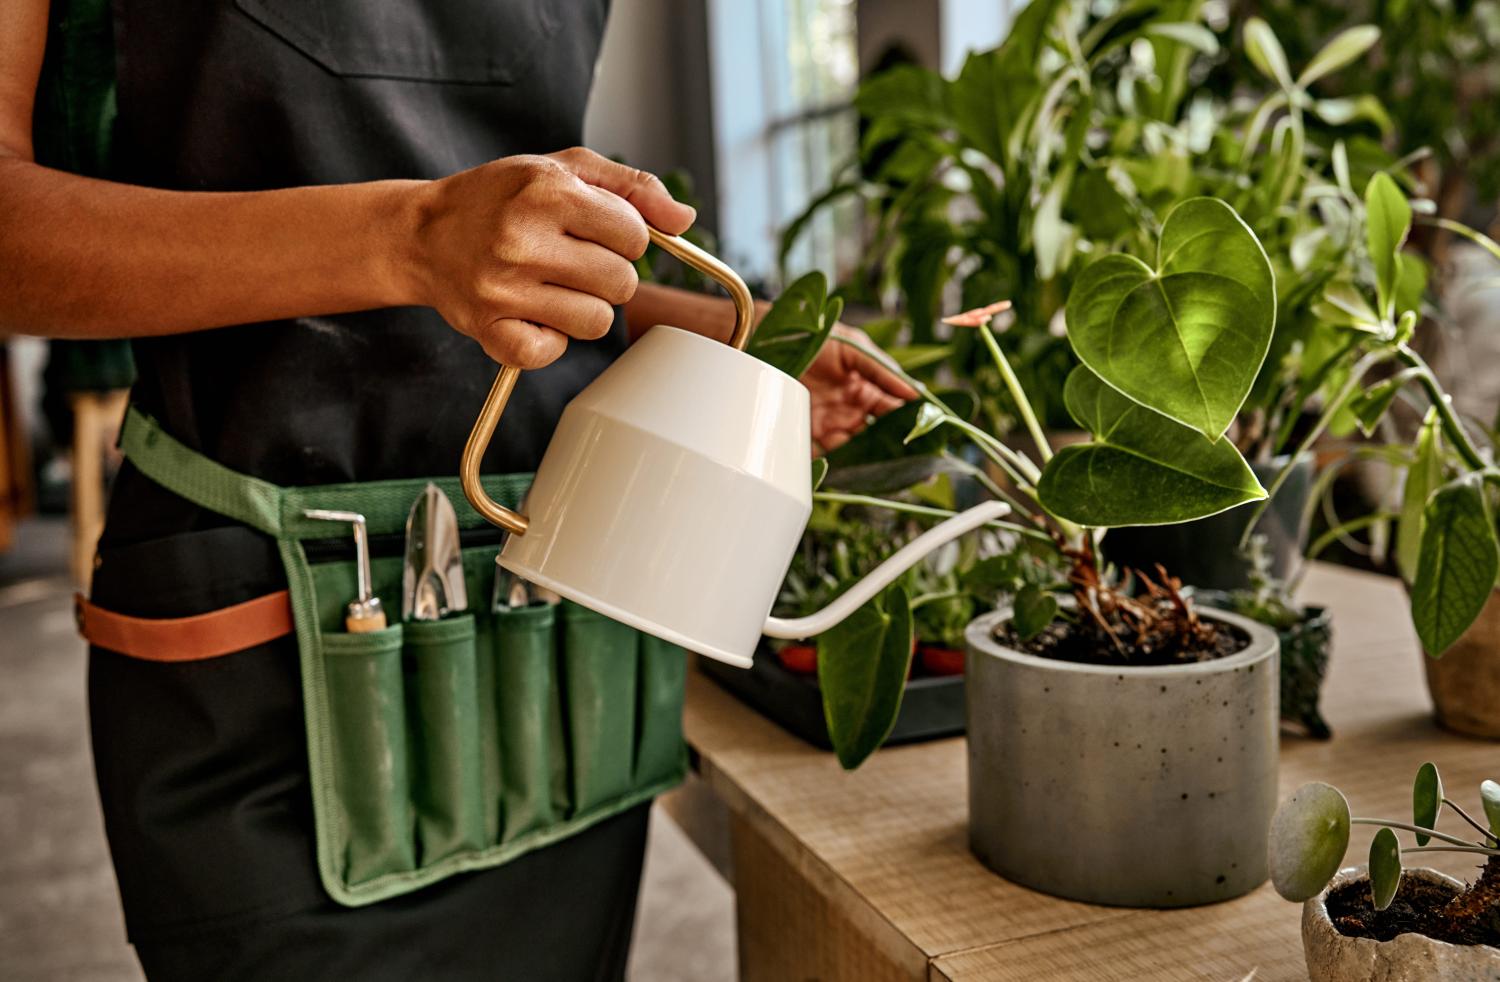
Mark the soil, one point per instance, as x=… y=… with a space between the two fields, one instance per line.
x=1077 y=642
x=1417 y=909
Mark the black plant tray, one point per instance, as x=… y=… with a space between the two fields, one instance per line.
x=933 y=706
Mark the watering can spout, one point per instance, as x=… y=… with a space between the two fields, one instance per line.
x=794 y=629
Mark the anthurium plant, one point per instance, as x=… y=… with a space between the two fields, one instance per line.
x=1310 y=834
x=1170 y=348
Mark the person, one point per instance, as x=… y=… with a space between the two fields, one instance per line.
x=322 y=218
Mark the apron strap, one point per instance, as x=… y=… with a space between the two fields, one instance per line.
x=277 y=511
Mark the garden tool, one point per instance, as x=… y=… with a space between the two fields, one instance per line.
x=432 y=576
x=364 y=613
x=676 y=487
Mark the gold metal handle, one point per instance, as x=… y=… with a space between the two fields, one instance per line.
x=505 y=383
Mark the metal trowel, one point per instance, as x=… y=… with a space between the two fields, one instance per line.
x=432 y=578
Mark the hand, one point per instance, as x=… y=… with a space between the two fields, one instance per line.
x=525 y=252
x=849 y=386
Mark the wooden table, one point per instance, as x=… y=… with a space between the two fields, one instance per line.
x=867 y=875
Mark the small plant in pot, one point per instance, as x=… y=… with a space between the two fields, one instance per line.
x=1381 y=920
x=1150 y=722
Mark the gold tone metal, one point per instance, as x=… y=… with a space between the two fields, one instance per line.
x=505 y=382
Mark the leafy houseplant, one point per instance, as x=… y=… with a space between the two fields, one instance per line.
x=1383 y=920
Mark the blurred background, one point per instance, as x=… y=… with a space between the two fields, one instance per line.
x=751 y=110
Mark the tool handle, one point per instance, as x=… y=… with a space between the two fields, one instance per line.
x=364 y=623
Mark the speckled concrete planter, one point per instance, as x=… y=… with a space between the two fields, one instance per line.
x=1334 y=957
x=1143 y=787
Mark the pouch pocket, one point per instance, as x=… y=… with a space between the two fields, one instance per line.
x=599 y=663
x=472 y=41
x=659 y=747
x=442 y=703
x=533 y=751
x=370 y=753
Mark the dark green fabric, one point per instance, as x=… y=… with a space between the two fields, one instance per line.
x=371 y=759
x=453 y=745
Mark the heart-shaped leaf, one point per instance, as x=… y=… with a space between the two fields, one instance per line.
x=1345 y=47
x=1385 y=868
x=1457 y=564
x=1187 y=338
x=1035 y=608
x=1387 y=223
x=1141 y=468
x=794 y=330
x=1489 y=796
x=1426 y=800
x=1309 y=835
x=862 y=667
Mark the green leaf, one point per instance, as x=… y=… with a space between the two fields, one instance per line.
x=1141 y=467
x=793 y=331
x=1265 y=52
x=1385 y=868
x=1489 y=796
x=911 y=357
x=1342 y=305
x=1422 y=478
x=1187 y=338
x=885 y=439
x=1309 y=835
x=1362 y=108
x=929 y=418
x=1457 y=564
x=1192 y=34
x=1426 y=800
x=1345 y=47
x=1370 y=405
x=1034 y=610
x=862 y=667
x=1387 y=222
x=819 y=471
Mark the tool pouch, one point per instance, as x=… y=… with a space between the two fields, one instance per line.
x=436 y=747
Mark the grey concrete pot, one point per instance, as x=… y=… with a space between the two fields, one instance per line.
x=1334 y=957
x=1142 y=787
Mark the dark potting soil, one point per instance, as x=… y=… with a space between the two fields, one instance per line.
x=1070 y=641
x=1415 y=910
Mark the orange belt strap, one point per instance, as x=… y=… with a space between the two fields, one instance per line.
x=174 y=639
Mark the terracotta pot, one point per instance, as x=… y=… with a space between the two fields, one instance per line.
x=1335 y=957
x=1465 y=682
x=1164 y=777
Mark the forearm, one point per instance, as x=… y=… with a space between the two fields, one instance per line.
x=84 y=258
x=700 y=313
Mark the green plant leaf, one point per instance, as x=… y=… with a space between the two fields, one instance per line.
x=911 y=357
x=1370 y=405
x=1359 y=109
x=1387 y=222
x=929 y=418
x=819 y=471
x=1141 y=468
x=1457 y=563
x=862 y=667
x=1034 y=610
x=1309 y=836
x=884 y=439
x=1422 y=478
x=794 y=329
x=1385 y=868
x=1265 y=52
x=1345 y=47
x=1426 y=800
x=1186 y=32
x=1489 y=797
x=1187 y=338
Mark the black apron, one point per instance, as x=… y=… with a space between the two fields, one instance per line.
x=202 y=765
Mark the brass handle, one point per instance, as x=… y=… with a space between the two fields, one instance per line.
x=505 y=382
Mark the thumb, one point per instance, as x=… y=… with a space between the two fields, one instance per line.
x=642 y=189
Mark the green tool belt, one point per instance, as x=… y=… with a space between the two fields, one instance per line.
x=436 y=747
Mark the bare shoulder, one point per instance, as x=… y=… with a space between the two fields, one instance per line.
x=23 y=39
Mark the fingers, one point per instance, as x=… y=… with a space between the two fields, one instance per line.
x=881 y=373
x=569 y=312
x=589 y=268
x=521 y=344
x=643 y=190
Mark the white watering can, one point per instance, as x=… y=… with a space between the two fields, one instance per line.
x=676 y=488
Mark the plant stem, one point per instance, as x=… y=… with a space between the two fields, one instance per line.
x=1479 y=849
x=847 y=498
x=1465 y=816
x=1417 y=828
x=1358 y=372
x=988 y=483
x=1353 y=525
x=1451 y=424
x=1023 y=404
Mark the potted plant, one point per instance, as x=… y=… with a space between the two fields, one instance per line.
x=1073 y=139
x=1380 y=920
